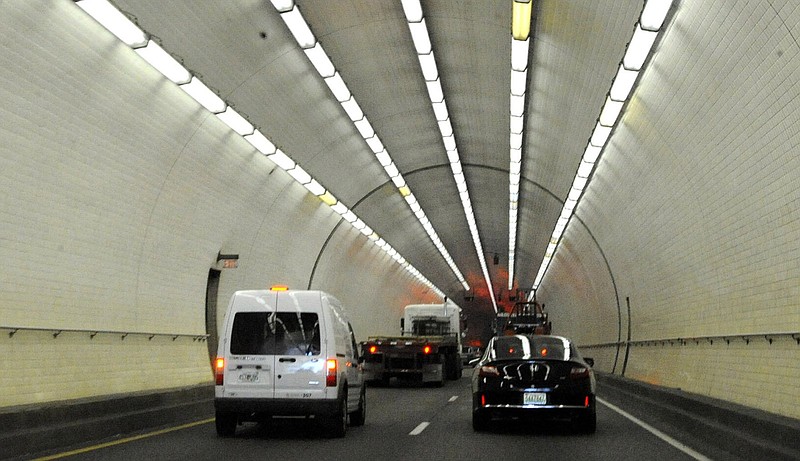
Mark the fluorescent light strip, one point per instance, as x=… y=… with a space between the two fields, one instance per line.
x=130 y=34
x=520 y=45
x=518 y=87
x=639 y=48
x=425 y=54
x=313 y=49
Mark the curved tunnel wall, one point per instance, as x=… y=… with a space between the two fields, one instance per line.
x=118 y=193
x=695 y=205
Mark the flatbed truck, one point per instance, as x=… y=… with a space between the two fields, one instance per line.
x=427 y=350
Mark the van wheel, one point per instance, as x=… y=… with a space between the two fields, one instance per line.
x=226 y=423
x=336 y=424
x=358 y=417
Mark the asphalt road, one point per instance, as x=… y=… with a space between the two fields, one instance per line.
x=404 y=422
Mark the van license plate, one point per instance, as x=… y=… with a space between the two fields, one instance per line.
x=534 y=398
x=248 y=377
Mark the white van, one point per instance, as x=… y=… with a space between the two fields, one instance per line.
x=288 y=353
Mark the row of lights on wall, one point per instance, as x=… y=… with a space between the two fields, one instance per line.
x=430 y=72
x=645 y=33
x=291 y=15
x=129 y=33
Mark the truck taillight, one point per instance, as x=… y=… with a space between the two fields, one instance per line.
x=219 y=371
x=331 y=367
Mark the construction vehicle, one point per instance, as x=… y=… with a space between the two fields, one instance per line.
x=527 y=317
x=427 y=350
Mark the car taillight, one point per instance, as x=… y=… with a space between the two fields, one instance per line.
x=426 y=349
x=579 y=372
x=330 y=372
x=488 y=371
x=219 y=371
x=373 y=349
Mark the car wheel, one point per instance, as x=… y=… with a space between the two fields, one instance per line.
x=226 y=423
x=336 y=424
x=587 y=423
x=358 y=417
x=480 y=422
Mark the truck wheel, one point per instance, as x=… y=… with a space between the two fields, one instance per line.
x=453 y=367
x=226 y=423
x=357 y=417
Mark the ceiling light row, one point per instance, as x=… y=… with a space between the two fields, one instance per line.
x=130 y=34
x=290 y=13
x=520 y=43
x=422 y=44
x=639 y=48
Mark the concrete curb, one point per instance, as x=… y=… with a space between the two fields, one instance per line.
x=741 y=431
x=35 y=429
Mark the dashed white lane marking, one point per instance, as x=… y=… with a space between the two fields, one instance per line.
x=418 y=430
x=656 y=432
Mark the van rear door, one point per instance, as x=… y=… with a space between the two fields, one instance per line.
x=299 y=355
x=250 y=368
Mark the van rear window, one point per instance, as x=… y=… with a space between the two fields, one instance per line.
x=270 y=333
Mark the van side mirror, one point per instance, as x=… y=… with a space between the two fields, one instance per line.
x=589 y=360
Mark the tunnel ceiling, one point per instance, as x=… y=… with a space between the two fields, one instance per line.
x=245 y=52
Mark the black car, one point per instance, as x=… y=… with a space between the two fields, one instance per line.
x=533 y=377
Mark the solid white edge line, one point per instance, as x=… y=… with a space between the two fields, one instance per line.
x=418 y=430
x=656 y=432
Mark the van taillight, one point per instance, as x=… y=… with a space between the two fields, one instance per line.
x=330 y=372
x=219 y=371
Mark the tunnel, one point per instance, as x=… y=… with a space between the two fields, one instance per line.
x=137 y=197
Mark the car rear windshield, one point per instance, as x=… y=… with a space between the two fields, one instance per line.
x=531 y=347
x=271 y=333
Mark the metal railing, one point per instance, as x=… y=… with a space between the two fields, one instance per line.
x=13 y=330
x=745 y=337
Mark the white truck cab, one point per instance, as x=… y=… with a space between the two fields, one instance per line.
x=288 y=353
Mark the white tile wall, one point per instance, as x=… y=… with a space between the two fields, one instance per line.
x=117 y=191
x=112 y=209
x=696 y=205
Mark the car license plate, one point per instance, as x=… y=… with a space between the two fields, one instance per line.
x=248 y=377
x=534 y=398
